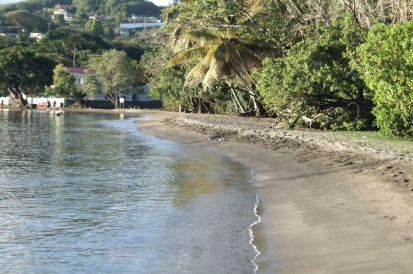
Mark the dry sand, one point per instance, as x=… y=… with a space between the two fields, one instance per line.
x=329 y=206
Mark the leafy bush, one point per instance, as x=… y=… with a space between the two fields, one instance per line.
x=386 y=60
x=343 y=119
x=316 y=76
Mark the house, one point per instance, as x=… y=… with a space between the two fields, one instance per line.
x=78 y=73
x=140 y=99
x=10 y=31
x=143 y=19
x=66 y=15
x=100 y=18
x=126 y=28
x=37 y=35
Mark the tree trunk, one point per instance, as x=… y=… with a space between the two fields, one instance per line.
x=258 y=108
x=199 y=105
x=16 y=95
x=234 y=94
x=192 y=104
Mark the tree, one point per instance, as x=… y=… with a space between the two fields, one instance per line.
x=87 y=6
x=27 y=20
x=220 y=55
x=116 y=74
x=21 y=69
x=219 y=42
x=64 y=85
x=93 y=27
x=387 y=65
x=316 y=79
x=65 y=45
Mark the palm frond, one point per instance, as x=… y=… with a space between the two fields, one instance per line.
x=214 y=73
x=256 y=45
x=255 y=7
x=243 y=60
x=217 y=66
x=197 y=74
x=190 y=54
x=203 y=37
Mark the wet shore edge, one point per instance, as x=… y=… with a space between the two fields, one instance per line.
x=328 y=206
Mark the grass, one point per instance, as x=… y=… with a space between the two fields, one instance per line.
x=376 y=140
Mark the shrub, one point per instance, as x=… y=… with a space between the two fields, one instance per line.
x=386 y=62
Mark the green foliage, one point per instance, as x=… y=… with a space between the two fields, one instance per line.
x=87 y=6
x=116 y=8
x=133 y=50
x=68 y=46
x=22 y=68
x=64 y=85
x=219 y=54
x=386 y=61
x=168 y=86
x=27 y=21
x=116 y=74
x=33 y=5
x=342 y=119
x=93 y=27
x=315 y=75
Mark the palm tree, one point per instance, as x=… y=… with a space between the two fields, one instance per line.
x=220 y=55
x=219 y=52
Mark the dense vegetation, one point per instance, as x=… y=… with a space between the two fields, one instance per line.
x=31 y=66
x=114 y=8
x=342 y=65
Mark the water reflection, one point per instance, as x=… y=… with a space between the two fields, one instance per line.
x=88 y=193
x=204 y=174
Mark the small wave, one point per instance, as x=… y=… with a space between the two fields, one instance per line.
x=250 y=229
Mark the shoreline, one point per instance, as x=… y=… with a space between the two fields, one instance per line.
x=325 y=210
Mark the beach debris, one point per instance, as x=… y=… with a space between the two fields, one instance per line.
x=308 y=120
x=221 y=140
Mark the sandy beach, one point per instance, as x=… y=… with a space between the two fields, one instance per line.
x=328 y=206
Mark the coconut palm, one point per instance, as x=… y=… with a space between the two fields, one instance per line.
x=220 y=55
x=219 y=52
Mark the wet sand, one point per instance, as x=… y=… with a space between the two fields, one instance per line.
x=328 y=206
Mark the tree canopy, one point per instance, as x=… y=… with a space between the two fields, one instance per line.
x=387 y=66
x=323 y=62
x=28 y=21
x=114 y=74
x=64 y=85
x=23 y=71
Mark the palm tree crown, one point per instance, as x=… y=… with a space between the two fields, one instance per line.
x=219 y=53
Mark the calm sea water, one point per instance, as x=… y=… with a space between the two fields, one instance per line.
x=89 y=193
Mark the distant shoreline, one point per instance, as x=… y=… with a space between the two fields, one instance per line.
x=329 y=206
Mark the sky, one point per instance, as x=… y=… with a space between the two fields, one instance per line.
x=157 y=2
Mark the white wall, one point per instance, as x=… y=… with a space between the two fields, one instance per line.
x=35 y=100
x=6 y=101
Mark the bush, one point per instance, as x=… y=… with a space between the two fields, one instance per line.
x=386 y=62
x=316 y=76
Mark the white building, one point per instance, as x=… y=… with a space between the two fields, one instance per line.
x=37 y=35
x=100 y=18
x=66 y=15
